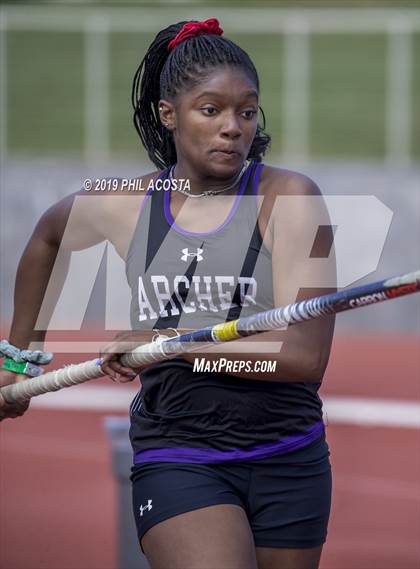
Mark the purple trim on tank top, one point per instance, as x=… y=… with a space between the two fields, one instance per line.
x=150 y=190
x=178 y=229
x=213 y=456
x=149 y=193
x=143 y=205
x=256 y=180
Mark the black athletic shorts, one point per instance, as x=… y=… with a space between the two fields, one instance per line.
x=286 y=498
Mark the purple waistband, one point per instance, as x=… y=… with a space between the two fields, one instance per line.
x=213 y=456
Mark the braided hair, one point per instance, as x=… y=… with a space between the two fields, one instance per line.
x=162 y=74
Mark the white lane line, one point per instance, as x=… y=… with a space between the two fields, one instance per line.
x=337 y=410
x=372 y=412
x=87 y=398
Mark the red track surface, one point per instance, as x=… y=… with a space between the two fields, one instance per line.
x=58 y=507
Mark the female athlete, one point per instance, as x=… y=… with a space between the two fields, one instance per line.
x=231 y=466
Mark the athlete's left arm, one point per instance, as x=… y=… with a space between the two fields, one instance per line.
x=300 y=237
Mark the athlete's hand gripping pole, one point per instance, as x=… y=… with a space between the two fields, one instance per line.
x=262 y=322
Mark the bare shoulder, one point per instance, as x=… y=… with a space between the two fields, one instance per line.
x=108 y=187
x=120 y=208
x=119 y=197
x=88 y=217
x=280 y=181
x=277 y=185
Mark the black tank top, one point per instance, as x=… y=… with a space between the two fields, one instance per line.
x=190 y=280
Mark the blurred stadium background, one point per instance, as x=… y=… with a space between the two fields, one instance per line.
x=340 y=90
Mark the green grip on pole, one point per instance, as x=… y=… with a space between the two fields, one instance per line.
x=26 y=368
x=11 y=365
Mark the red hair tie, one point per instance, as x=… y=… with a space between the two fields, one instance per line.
x=193 y=29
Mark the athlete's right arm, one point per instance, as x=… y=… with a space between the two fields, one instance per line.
x=67 y=226
x=71 y=224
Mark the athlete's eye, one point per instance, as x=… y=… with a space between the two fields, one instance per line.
x=249 y=114
x=209 y=111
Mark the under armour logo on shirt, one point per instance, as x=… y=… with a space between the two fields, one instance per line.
x=187 y=254
x=147 y=507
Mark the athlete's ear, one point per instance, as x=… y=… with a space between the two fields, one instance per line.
x=167 y=114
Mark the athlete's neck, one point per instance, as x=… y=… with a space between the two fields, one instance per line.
x=200 y=183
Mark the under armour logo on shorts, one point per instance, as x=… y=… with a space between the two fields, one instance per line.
x=147 y=507
x=187 y=254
